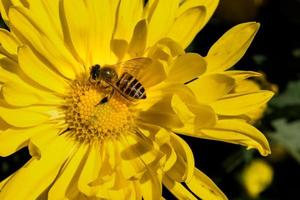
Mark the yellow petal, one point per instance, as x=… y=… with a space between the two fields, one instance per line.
x=60 y=188
x=237 y=132
x=3 y=182
x=204 y=187
x=8 y=42
x=194 y=116
x=17 y=92
x=183 y=149
x=12 y=139
x=178 y=190
x=25 y=117
x=229 y=49
x=186 y=68
x=138 y=41
x=209 y=5
x=4 y=6
x=241 y=75
x=102 y=16
x=160 y=19
x=150 y=186
x=241 y=103
x=37 y=180
x=54 y=53
x=38 y=71
x=90 y=171
x=211 y=87
x=187 y=25
x=76 y=29
x=171 y=156
x=129 y=13
x=161 y=114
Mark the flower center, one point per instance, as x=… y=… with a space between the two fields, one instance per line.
x=93 y=116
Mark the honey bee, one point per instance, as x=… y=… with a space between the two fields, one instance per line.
x=126 y=84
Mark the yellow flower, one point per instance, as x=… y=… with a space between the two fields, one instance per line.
x=256 y=177
x=87 y=140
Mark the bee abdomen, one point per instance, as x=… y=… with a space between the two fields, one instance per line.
x=131 y=87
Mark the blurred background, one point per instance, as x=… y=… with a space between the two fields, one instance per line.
x=242 y=174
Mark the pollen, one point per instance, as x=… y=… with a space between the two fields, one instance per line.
x=90 y=120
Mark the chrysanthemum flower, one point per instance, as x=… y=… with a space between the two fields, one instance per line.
x=87 y=145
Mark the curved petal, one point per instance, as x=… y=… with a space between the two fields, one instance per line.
x=38 y=71
x=186 y=67
x=162 y=114
x=241 y=103
x=129 y=13
x=161 y=17
x=150 y=186
x=204 y=187
x=183 y=167
x=137 y=44
x=38 y=180
x=60 y=188
x=12 y=139
x=187 y=25
x=229 y=49
x=8 y=42
x=32 y=35
x=25 y=117
x=237 y=132
x=193 y=116
x=177 y=189
x=209 y=88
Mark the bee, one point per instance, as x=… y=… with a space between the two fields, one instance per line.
x=126 y=84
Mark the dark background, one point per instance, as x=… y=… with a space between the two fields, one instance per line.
x=276 y=52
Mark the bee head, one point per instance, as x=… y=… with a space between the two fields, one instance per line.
x=95 y=73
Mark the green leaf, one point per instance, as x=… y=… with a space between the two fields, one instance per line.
x=290 y=97
x=288 y=135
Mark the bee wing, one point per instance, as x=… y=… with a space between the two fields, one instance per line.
x=134 y=66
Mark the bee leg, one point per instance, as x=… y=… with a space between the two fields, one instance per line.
x=106 y=99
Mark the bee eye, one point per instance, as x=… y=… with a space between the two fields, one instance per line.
x=104 y=100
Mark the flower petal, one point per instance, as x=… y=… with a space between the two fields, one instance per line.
x=183 y=167
x=178 y=190
x=8 y=42
x=229 y=49
x=129 y=13
x=193 y=116
x=38 y=180
x=186 y=68
x=187 y=25
x=25 y=117
x=204 y=187
x=90 y=171
x=241 y=103
x=54 y=52
x=60 y=188
x=138 y=41
x=211 y=87
x=12 y=139
x=76 y=29
x=161 y=18
x=150 y=186
x=161 y=114
x=238 y=75
x=38 y=71
x=102 y=16
x=237 y=132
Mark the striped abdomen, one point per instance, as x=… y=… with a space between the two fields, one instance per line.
x=131 y=87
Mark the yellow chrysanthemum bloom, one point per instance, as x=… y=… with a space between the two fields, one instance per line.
x=88 y=144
